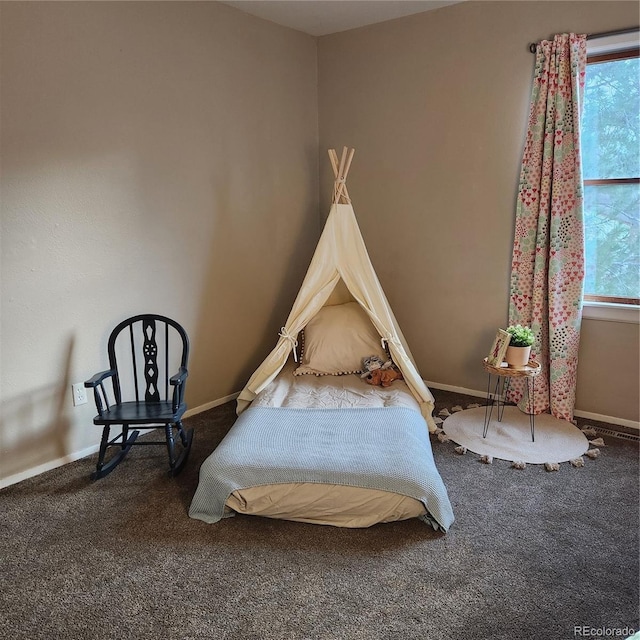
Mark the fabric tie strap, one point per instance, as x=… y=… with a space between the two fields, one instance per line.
x=389 y=339
x=292 y=339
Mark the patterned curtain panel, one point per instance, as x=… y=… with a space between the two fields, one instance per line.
x=547 y=270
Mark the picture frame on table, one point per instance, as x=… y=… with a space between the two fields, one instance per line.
x=499 y=348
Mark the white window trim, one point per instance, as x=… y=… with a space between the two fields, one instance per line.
x=609 y=311
x=611 y=44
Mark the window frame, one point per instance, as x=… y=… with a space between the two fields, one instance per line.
x=610 y=307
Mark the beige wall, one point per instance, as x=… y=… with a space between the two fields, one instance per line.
x=436 y=107
x=156 y=157
x=163 y=157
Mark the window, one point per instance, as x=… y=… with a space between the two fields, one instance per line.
x=611 y=172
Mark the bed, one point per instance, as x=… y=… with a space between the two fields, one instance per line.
x=329 y=450
x=313 y=441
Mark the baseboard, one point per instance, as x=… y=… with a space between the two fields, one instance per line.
x=89 y=451
x=210 y=405
x=58 y=462
x=463 y=390
x=48 y=466
x=623 y=422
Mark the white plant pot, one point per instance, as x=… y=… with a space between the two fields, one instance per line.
x=517 y=357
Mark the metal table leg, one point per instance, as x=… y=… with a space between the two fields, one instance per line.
x=531 y=394
x=494 y=398
x=488 y=410
x=505 y=390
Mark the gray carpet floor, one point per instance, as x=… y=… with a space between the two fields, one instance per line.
x=532 y=554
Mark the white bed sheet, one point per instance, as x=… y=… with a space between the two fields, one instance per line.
x=336 y=505
x=332 y=392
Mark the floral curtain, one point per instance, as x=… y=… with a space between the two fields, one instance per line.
x=547 y=269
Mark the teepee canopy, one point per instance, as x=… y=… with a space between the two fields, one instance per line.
x=341 y=255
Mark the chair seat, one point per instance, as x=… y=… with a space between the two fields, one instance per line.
x=140 y=413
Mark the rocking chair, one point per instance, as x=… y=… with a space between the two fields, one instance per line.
x=142 y=351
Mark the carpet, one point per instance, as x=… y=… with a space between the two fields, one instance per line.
x=532 y=555
x=555 y=440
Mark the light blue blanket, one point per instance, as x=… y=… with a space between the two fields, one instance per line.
x=377 y=448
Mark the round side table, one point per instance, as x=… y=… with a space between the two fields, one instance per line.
x=503 y=374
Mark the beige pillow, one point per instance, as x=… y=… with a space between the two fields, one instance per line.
x=336 y=340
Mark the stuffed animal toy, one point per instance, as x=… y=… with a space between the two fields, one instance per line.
x=383 y=377
x=373 y=363
x=377 y=372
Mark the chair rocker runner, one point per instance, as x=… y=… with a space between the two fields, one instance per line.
x=142 y=351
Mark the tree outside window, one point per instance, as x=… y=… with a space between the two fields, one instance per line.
x=611 y=171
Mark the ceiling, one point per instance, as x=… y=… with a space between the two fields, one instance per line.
x=322 y=17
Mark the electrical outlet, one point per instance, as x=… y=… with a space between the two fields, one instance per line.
x=79 y=393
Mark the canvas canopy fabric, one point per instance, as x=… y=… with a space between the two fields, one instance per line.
x=340 y=264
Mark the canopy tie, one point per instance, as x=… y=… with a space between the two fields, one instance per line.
x=389 y=339
x=339 y=189
x=284 y=333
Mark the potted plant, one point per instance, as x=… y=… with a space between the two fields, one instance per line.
x=519 y=349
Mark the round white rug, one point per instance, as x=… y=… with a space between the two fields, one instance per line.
x=555 y=440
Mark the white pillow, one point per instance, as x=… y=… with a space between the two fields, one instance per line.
x=336 y=340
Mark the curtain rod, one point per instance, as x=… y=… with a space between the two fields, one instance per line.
x=594 y=36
